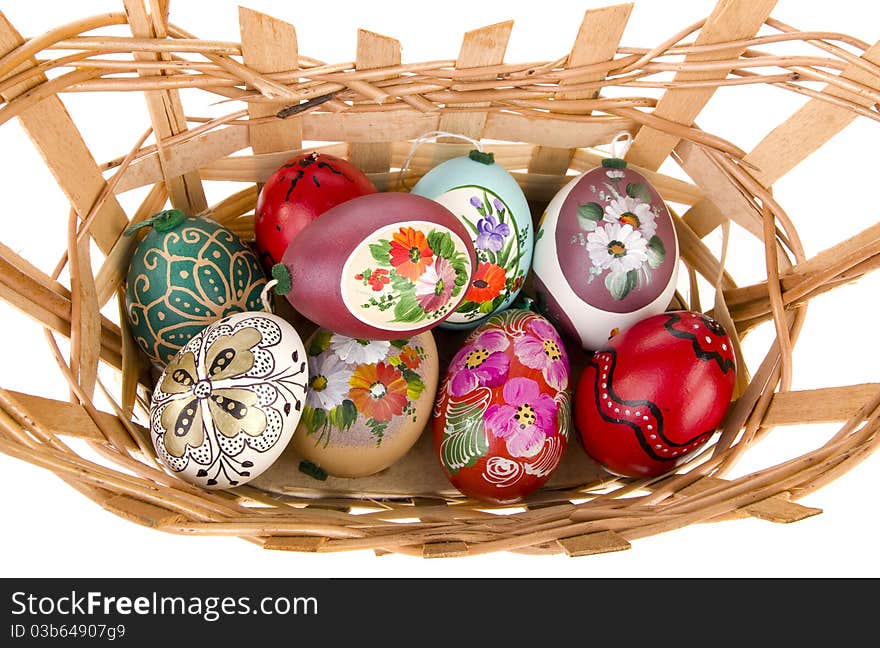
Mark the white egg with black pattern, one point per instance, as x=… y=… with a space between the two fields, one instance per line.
x=226 y=406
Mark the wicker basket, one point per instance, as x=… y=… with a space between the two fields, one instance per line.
x=543 y=120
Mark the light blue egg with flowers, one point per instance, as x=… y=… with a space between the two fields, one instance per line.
x=490 y=203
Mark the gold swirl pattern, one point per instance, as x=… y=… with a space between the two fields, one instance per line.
x=181 y=281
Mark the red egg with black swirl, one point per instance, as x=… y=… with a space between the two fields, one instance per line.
x=655 y=393
x=502 y=415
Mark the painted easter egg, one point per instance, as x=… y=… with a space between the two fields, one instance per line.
x=228 y=403
x=606 y=254
x=297 y=193
x=381 y=267
x=185 y=274
x=488 y=200
x=655 y=393
x=368 y=401
x=502 y=417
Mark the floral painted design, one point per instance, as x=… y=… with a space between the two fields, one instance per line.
x=617 y=247
x=488 y=282
x=232 y=409
x=328 y=382
x=358 y=351
x=410 y=253
x=359 y=387
x=378 y=390
x=411 y=357
x=525 y=419
x=407 y=275
x=482 y=363
x=540 y=347
x=632 y=212
x=502 y=426
x=377 y=279
x=500 y=246
x=491 y=233
x=621 y=235
x=434 y=286
x=223 y=398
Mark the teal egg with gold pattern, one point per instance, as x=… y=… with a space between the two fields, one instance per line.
x=185 y=274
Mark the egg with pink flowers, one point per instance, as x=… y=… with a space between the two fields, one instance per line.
x=503 y=413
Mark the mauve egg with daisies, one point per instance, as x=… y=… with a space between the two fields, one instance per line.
x=503 y=413
x=606 y=254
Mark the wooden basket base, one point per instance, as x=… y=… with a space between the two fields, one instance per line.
x=417 y=474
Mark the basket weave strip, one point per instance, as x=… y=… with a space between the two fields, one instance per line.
x=546 y=116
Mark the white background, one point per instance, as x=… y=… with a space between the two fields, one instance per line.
x=50 y=530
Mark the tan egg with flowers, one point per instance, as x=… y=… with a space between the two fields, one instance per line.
x=368 y=401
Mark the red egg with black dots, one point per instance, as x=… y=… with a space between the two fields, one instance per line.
x=297 y=193
x=655 y=393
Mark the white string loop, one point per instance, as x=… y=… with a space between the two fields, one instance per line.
x=620 y=147
x=264 y=296
x=401 y=178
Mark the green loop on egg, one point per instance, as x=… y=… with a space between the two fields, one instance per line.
x=168 y=220
x=481 y=157
x=281 y=274
x=614 y=163
x=164 y=221
x=524 y=302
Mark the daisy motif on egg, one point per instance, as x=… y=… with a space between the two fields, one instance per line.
x=328 y=382
x=606 y=254
x=633 y=212
x=358 y=351
x=617 y=247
